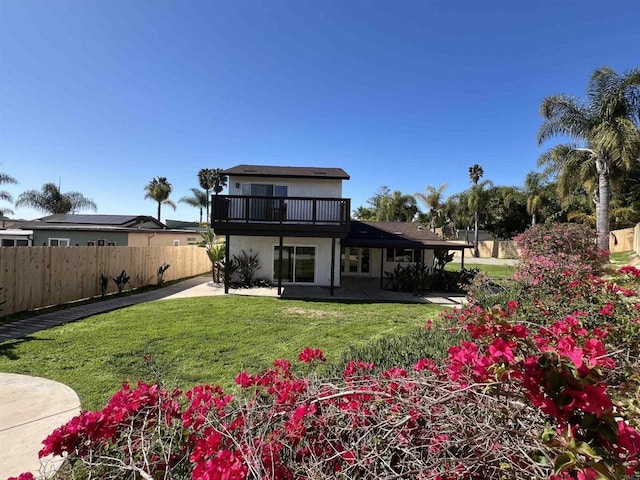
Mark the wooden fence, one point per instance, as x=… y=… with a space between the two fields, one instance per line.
x=34 y=277
x=622 y=240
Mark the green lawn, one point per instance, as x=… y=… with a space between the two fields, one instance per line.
x=493 y=271
x=199 y=340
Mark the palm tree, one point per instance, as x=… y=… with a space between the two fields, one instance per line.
x=199 y=200
x=533 y=190
x=4 y=178
x=433 y=200
x=475 y=200
x=397 y=207
x=51 y=200
x=212 y=178
x=159 y=190
x=606 y=124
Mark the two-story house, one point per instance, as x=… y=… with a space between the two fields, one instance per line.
x=297 y=222
x=292 y=217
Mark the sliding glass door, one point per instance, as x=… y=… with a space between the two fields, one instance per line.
x=298 y=264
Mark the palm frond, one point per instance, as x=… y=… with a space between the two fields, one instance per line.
x=563 y=115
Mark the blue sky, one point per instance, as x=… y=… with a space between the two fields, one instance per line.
x=102 y=96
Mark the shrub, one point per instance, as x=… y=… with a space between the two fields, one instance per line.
x=419 y=279
x=246 y=266
x=553 y=254
x=519 y=400
x=160 y=273
x=400 y=350
x=121 y=280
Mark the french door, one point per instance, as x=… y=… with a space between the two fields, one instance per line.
x=356 y=261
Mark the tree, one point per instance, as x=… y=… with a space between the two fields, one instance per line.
x=505 y=212
x=212 y=178
x=199 y=199
x=216 y=251
x=398 y=207
x=533 y=190
x=159 y=190
x=6 y=196
x=51 y=200
x=387 y=206
x=475 y=201
x=606 y=124
x=434 y=201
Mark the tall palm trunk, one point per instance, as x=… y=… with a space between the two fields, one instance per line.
x=208 y=202
x=476 y=252
x=159 y=205
x=602 y=204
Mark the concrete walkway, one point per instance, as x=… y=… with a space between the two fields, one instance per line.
x=31 y=408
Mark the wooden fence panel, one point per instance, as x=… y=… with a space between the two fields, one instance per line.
x=35 y=277
x=621 y=240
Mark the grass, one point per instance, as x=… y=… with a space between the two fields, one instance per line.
x=199 y=340
x=622 y=258
x=493 y=271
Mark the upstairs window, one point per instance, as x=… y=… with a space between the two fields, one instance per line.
x=264 y=190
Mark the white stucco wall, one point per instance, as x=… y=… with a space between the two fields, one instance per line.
x=376 y=254
x=264 y=246
x=297 y=187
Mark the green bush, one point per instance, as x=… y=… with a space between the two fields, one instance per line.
x=399 y=350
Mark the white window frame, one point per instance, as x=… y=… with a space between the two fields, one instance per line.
x=245 y=186
x=67 y=240
x=295 y=245
x=176 y=243
x=111 y=243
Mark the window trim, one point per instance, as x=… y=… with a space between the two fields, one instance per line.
x=415 y=253
x=67 y=240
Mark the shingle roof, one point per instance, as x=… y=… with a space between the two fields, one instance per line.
x=287 y=172
x=395 y=235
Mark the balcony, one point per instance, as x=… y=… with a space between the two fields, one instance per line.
x=296 y=216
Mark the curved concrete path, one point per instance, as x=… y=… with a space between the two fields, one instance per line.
x=31 y=408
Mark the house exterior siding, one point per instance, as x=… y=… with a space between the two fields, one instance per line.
x=298 y=187
x=78 y=237
x=162 y=238
x=264 y=247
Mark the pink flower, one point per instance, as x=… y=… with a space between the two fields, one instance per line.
x=310 y=354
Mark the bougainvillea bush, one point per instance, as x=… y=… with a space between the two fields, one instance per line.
x=518 y=401
x=543 y=385
x=552 y=253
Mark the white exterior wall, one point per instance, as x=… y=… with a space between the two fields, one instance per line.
x=378 y=260
x=264 y=247
x=297 y=187
x=390 y=266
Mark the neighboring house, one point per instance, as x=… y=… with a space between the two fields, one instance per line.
x=298 y=223
x=16 y=238
x=70 y=230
